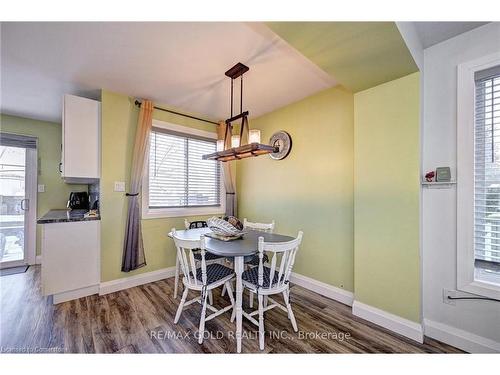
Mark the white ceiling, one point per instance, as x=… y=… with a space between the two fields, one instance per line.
x=431 y=33
x=173 y=63
x=176 y=64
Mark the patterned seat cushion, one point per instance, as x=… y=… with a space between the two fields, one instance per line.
x=215 y=272
x=255 y=260
x=198 y=224
x=252 y=276
x=208 y=256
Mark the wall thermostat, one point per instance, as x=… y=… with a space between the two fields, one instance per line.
x=443 y=174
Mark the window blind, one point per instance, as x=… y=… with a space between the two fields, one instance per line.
x=487 y=166
x=178 y=176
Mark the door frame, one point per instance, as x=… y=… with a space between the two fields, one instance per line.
x=31 y=187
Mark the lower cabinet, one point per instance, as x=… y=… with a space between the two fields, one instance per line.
x=70 y=259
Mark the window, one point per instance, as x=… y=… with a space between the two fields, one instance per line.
x=487 y=172
x=179 y=182
x=478 y=198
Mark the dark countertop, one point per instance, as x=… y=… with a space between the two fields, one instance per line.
x=62 y=216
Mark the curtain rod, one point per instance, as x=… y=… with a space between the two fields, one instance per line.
x=138 y=103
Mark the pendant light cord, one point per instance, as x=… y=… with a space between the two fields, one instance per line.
x=232 y=80
x=241 y=93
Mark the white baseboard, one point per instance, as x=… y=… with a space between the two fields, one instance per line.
x=75 y=294
x=322 y=288
x=390 y=321
x=38 y=259
x=131 y=281
x=461 y=339
x=382 y=318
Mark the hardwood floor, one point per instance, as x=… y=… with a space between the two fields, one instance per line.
x=140 y=320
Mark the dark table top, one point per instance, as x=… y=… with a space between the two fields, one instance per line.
x=248 y=245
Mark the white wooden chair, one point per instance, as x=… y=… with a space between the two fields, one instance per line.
x=203 y=279
x=210 y=258
x=258 y=280
x=261 y=227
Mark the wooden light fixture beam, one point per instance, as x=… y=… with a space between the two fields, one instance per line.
x=247 y=150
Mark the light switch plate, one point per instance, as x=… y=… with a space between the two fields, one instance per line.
x=41 y=188
x=120 y=186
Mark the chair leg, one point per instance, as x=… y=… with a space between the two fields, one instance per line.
x=261 y=322
x=231 y=298
x=233 y=314
x=224 y=288
x=286 y=296
x=250 y=298
x=201 y=331
x=210 y=298
x=181 y=305
x=286 y=304
x=176 y=282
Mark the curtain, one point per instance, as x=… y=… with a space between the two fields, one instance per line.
x=133 y=249
x=228 y=172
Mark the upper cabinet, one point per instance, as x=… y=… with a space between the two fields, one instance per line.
x=80 y=161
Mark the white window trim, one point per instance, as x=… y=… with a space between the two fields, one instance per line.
x=157 y=213
x=465 y=177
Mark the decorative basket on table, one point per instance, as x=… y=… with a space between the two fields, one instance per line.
x=227 y=229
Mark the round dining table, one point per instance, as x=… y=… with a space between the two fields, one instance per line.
x=240 y=249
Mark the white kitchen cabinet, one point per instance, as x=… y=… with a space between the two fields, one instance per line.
x=70 y=259
x=80 y=161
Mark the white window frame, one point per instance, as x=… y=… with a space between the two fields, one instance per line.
x=465 y=177
x=156 y=213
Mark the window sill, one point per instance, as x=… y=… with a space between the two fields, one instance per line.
x=487 y=274
x=161 y=213
x=482 y=288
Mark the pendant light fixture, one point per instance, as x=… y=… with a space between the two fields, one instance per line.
x=239 y=150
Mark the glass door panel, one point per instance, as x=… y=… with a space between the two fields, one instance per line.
x=13 y=205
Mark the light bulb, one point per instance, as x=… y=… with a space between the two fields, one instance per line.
x=235 y=141
x=254 y=136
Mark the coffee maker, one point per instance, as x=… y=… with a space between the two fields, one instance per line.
x=78 y=200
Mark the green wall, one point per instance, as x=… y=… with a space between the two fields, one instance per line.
x=49 y=154
x=119 y=122
x=310 y=190
x=351 y=183
x=359 y=55
x=386 y=197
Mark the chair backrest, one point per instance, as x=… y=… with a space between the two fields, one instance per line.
x=263 y=227
x=286 y=252
x=185 y=254
x=195 y=224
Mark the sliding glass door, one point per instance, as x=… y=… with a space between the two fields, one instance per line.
x=17 y=196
